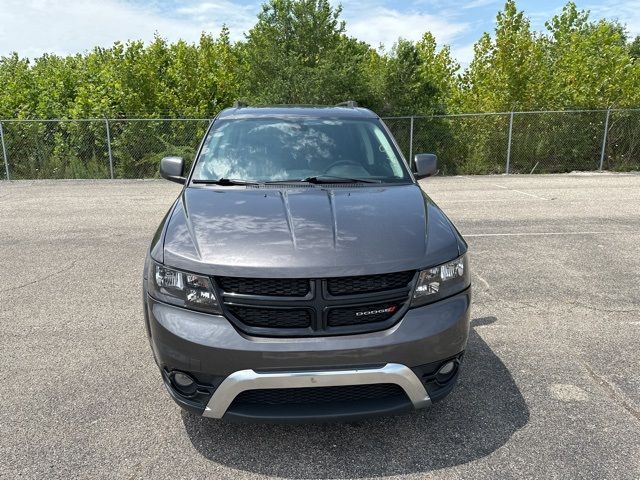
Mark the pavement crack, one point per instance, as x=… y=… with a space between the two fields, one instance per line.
x=482 y=280
x=41 y=279
x=520 y=305
x=597 y=309
x=509 y=303
x=516 y=305
x=613 y=392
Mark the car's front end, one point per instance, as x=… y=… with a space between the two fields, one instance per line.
x=292 y=301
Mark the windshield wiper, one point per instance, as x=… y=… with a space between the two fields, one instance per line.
x=333 y=179
x=225 y=182
x=316 y=179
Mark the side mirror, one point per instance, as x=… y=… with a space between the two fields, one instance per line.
x=172 y=168
x=426 y=164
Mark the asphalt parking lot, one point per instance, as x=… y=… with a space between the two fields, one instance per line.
x=550 y=386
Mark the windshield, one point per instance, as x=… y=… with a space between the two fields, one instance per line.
x=277 y=149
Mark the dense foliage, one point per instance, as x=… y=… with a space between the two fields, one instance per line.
x=298 y=52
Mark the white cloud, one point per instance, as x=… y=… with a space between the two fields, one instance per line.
x=206 y=7
x=463 y=54
x=381 y=25
x=626 y=11
x=33 y=27
x=477 y=4
x=210 y=15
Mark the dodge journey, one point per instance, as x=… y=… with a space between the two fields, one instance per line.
x=302 y=274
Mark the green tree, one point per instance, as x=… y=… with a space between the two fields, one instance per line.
x=419 y=78
x=634 y=48
x=298 y=53
x=507 y=71
x=438 y=69
x=18 y=94
x=589 y=62
x=405 y=93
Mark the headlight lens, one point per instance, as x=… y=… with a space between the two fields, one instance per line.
x=183 y=289
x=441 y=281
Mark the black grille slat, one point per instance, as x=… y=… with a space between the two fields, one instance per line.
x=347 y=316
x=316 y=395
x=272 y=318
x=275 y=287
x=314 y=306
x=368 y=283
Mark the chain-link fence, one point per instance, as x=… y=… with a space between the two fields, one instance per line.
x=95 y=148
x=519 y=142
x=524 y=142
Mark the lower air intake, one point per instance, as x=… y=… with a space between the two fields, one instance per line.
x=315 y=395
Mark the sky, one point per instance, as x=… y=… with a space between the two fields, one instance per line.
x=33 y=27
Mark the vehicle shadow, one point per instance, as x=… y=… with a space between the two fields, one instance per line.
x=477 y=418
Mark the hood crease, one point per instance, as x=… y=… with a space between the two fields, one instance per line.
x=289 y=219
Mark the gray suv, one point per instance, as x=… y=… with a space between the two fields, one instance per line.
x=302 y=274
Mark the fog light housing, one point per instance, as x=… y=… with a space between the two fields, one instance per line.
x=447 y=368
x=183 y=382
x=447 y=371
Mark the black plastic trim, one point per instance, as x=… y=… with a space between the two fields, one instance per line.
x=194 y=403
x=320 y=301
x=319 y=413
x=427 y=374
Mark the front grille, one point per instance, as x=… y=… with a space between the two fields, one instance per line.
x=368 y=283
x=276 y=287
x=315 y=395
x=314 y=307
x=272 y=318
x=344 y=316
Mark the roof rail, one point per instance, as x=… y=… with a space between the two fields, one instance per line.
x=239 y=104
x=348 y=104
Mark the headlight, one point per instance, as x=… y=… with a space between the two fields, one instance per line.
x=182 y=289
x=441 y=281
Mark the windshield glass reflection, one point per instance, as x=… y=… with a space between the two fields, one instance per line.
x=276 y=149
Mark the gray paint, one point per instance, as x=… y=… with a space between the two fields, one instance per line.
x=306 y=232
x=199 y=342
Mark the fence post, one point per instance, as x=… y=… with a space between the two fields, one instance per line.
x=506 y=168
x=604 y=138
x=4 y=152
x=411 y=144
x=106 y=123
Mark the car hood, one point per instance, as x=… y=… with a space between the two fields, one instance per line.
x=307 y=231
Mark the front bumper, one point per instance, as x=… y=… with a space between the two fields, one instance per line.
x=217 y=355
x=245 y=380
